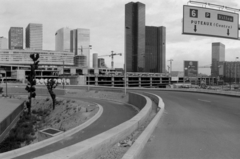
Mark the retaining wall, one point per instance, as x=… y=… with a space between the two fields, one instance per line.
x=39 y=91
x=9 y=121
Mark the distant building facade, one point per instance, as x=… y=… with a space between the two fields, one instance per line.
x=80 y=43
x=155 y=54
x=34 y=36
x=218 y=55
x=62 y=40
x=3 y=43
x=22 y=57
x=230 y=71
x=135 y=36
x=15 y=37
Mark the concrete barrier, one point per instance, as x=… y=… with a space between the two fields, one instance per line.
x=10 y=121
x=39 y=91
x=97 y=145
x=44 y=143
x=135 y=151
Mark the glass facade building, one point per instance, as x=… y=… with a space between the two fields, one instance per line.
x=135 y=36
x=155 y=54
x=62 y=40
x=80 y=43
x=15 y=37
x=34 y=36
x=218 y=55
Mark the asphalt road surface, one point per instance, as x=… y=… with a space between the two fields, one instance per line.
x=113 y=115
x=196 y=126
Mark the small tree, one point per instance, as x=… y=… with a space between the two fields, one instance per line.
x=32 y=81
x=52 y=84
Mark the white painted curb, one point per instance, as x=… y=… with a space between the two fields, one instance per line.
x=44 y=143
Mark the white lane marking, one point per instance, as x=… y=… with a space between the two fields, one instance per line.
x=204 y=100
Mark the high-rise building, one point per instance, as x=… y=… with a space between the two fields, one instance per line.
x=15 y=37
x=62 y=40
x=34 y=36
x=135 y=36
x=155 y=54
x=218 y=55
x=3 y=43
x=80 y=43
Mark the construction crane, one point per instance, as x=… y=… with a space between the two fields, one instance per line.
x=112 y=55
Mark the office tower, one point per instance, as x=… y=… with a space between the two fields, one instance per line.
x=80 y=43
x=135 y=36
x=218 y=55
x=3 y=43
x=155 y=54
x=15 y=37
x=62 y=40
x=34 y=36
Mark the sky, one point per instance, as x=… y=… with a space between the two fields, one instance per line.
x=105 y=19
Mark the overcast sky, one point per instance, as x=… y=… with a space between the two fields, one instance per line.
x=105 y=19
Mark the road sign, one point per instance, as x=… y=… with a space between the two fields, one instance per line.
x=210 y=22
x=190 y=68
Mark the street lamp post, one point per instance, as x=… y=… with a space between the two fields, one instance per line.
x=125 y=59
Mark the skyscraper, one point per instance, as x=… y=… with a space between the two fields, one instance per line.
x=3 y=43
x=155 y=54
x=15 y=37
x=218 y=55
x=135 y=36
x=34 y=36
x=62 y=40
x=80 y=42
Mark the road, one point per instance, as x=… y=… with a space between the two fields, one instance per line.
x=196 y=126
x=113 y=115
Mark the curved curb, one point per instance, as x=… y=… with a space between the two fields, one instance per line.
x=44 y=143
x=135 y=151
x=95 y=146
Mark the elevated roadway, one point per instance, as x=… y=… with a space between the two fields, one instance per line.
x=196 y=126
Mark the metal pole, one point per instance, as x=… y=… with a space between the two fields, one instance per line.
x=63 y=75
x=125 y=63
x=6 y=82
x=112 y=59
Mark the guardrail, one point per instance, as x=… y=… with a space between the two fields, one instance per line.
x=39 y=91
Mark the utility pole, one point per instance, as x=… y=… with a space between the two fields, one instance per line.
x=170 y=65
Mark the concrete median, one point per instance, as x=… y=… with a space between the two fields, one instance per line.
x=135 y=151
